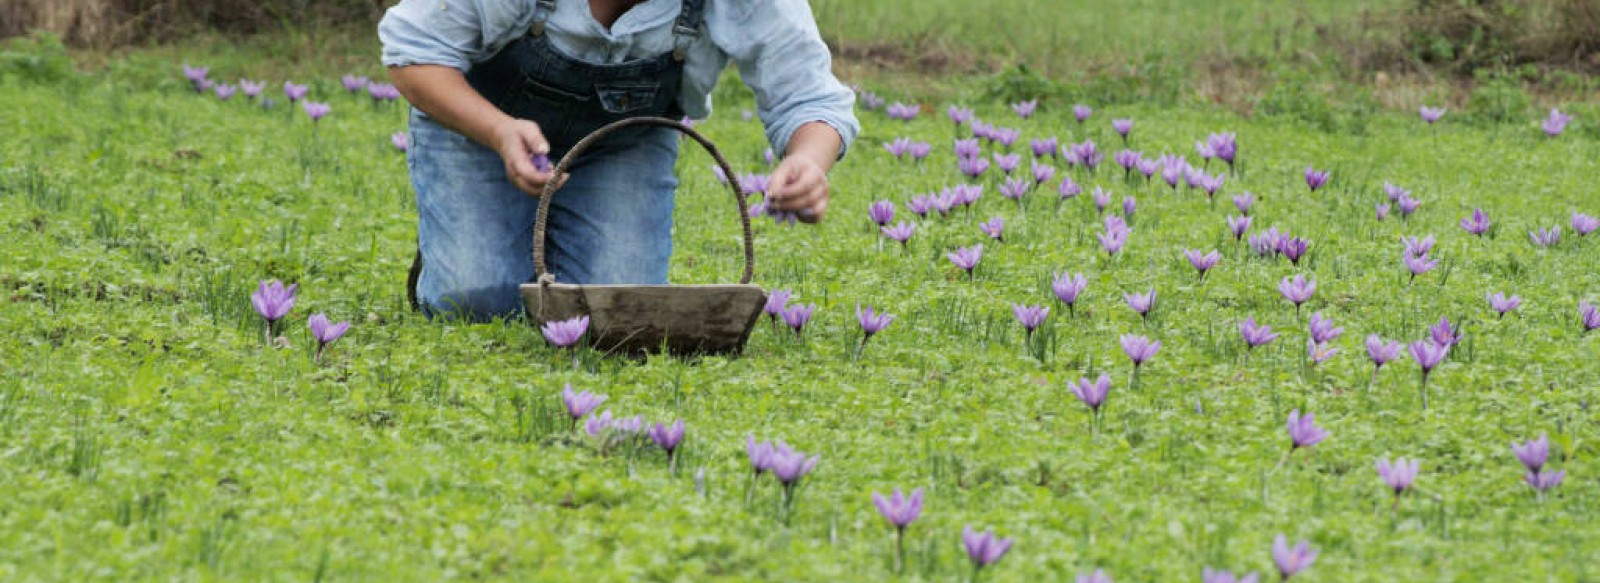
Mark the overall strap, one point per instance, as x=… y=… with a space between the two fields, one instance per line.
x=687 y=29
x=542 y=10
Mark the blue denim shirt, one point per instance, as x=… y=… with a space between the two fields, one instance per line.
x=774 y=43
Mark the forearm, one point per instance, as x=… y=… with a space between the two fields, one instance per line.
x=443 y=93
x=818 y=142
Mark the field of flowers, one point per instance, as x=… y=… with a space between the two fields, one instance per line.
x=1030 y=341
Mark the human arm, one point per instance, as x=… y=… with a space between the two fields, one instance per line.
x=443 y=93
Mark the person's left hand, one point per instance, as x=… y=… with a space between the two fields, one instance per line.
x=799 y=185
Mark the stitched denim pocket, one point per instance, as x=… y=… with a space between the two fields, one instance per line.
x=627 y=98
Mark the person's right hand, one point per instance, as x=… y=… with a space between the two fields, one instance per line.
x=518 y=141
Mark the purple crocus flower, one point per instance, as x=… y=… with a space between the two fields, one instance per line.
x=1546 y=237
x=1381 y=352
x=581 y=403
x=1123 y=127
x=959 y=115
x=1202 y=263
x=1243 y=202
x=1068 y=287
x=667 y=437
x=1113 y=240
x=984 y=548
x=1225 y=146
x=1534 y=453
x=1139 y=349
x=1015 y=188
x=1141 y=303
x=1211 y=576
x=1042 y=173
x=1583 y=224
x=1128 y=160
x=565 y=333
x=903 y=111
x=967 y=258
x=1323 y=330
x=995 y=228
x=1315 y=179
x=1544 y=480
x=968 y=149
x=1303 y=430
x=316 y=111
x=1129 y=205
x=325 y=331
x=1007 y=163
x=1444 y=333
x=1148 y=167
x=294 y=92
x=797 y=316
x=1382 y=210
x=1031 y=317
x=1093 y=393
x=898 y=147
x=599 y=424
x=1416 y=246
x=385 y=92
x=919 y=205
x=1044 y=147
x=1255 y=335
x=1098 y=576
x=1394 y=191
x=1431 y=114
x=353 y=83
x=901 y=232
x=760 y=454
x=1204 y=149
x=1319 y=352
x=776 y=302
x=1102 y=198
x=900 y=510
x=1477 y=224
x=872 y=322
x=1081 y=112
x=1428 y=355
x=1293 y=248
x=1266 y=244
x=1298 y=290
x=1589 y=315
x=1556 y=123
x=225 y=91
x=946 y=201
x=881 y=212
x=1407 y=206
x=1502 y=304
x=788 y=466
x=195 y=74
x=1238 y=226
x=1419 y=264
x=1291 y=561
x=920 y=150
x=273 y=301
x=1006 y=137
x=1398 y=475
x=400 y=141
x=973 y=167
x=251 y=89
x=1025 y=109
x=1087 y=154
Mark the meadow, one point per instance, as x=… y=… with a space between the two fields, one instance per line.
x=151 y=431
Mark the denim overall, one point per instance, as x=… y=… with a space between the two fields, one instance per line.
x=609 y=223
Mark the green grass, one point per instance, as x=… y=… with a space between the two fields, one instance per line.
x=149 y=433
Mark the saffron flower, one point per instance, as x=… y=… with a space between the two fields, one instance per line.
x=881 y=212
x=1319 y=352
x=325 y=331
x=1431 y=115
x=1014 y=189
x=1444 y=333
x=1398 y=475
x=900 y=510
x=1238 y=226
x=1298 y=290
x=919 y=205
x=195 y=75
x=599 y=424
x=959 y=115
x=900 y=232
x=1006 y=137
x=904 y=112
x=1589 y=315
x=1534 y=453
x=273 y=301
x=1415 y=246
x=1128 y=160
x=1042 y=173
x=1044 y=147
x=224 y=91
x=1243 y=201
x=984 y=548
x=295 y=92
x=1556 y=123
x=1255 y=335
x=251 y=89
x=995 y=228
x=353 y=83
x=776 y=302
x=1123 y=127
x=788 y=466
x=1098 y=576
x=400 y=141
x=1291 y=561
x=973 y=167
x=580 y=403
x=1546 y=237
x=1148 y=167
x=1093 y=393
x=565 y=333
x=1007 y=163
x=967 y=258
x=1381 y=352
x=1382 y=211
x=1323 y=330
x=1477 y=224
x=1316 y=179
x=920 y=150
x=1025 y=109
x=1225 y=146
x=1202 y=263
x=1210 y=576
x=1428 y=356
x=1067 y=289
x=1502 y=304
x=898 y=148
x=968 y=149
x=1544 y=480
x=1303 y=430
x=1129 y=205
x=316 y=111
x=872 y=322
x=1081 y=112
x=1419 y=264
x=1293 y=248
x=1113 y=240
x=1102 y=199
x=1583 y=224
x=760 y=454
x=797 y=316
x=1407 y=205
x=1031 y=317
x=1139 y=349
x=381 y=92
x=1141 y=303
x=668 y=437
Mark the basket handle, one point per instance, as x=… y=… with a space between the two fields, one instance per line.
x=543 y=274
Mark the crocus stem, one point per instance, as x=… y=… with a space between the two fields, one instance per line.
x=1424 y=389
x=859 y=348
x=320 y=347
x=672 y=463
x=900 y=550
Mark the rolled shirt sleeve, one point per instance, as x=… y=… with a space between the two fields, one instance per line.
x=453 y=33
x=781 y=57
